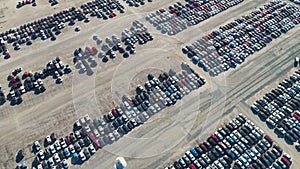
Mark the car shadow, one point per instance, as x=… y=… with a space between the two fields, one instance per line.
x=289 y=142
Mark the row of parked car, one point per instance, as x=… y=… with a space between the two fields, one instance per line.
x=178 y=16
x=106 y=49
x=102 y=9
x=280 y=108
x=151 y=98
x=238 y=144
x=49 y=27
x=231 y=44
x=32 y=81
x=90 y=135
x=136 y=3
x=26 y=2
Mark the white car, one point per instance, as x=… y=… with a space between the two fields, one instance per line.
x=65 y=163
x=82 y=156
x=56 y=158
x=186 y=89
x=146 y=115
x=96 y=133
x=111 y=137
x=132 y=113
x=157 y=107
x=37 y=145
x=77 y=134
x=50 y=162
x=53 y=150
x=190 y=155
x=92 y=149
x=116 y=134
x=57 y=145
x=39 y=166
x=72 y=149
x=136 y=110
x=41 y=155
x=48 y=140
x=22 y=88
x=152 y=109
x=63 y=144
x=128 y=114
x=101 y=130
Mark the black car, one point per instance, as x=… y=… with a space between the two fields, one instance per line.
x=199 y=150
x=73 y=138
x=216 y=153
x=53 y=136
x=230 y=127
x=61 y=154
x=106 y=118
x=242 y=132
x=245 y=129
x=265 y=160
x=208 y=145
x=202 y=162
x=226 y=130
x=116 y=124
x=177 y=165
x=125 y=129
x=212 y=141
x=130 y=126
x=211 y=156
x=87 y=141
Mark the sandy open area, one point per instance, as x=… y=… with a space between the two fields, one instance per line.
x=168 y=134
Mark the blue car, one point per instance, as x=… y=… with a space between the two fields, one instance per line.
x=168 y=93
x=230 y=153
x=170 y=89
x=194 y=152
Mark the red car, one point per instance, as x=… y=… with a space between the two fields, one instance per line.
x=115 y=113
x=162 y=10
x=96 y=144
x=215 y=137
x=192 y=166
x=203 y=147
x=296 y=116
x=286 y=161
x=92 y=136
x=68 y=140
x=8 y=55
x=268 y=138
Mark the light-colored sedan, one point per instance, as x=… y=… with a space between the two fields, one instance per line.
x=92 y=149
x=56 y=158
x=82 y=156
x=111 y=137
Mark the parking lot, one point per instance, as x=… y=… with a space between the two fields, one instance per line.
x=238 y=144
x=40 y=113
x=282 y=114
x=90 y=135
x=230 y=45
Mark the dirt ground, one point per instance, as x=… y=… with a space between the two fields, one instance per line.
x=167 y=135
